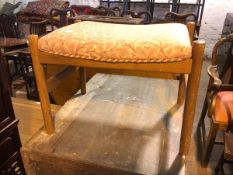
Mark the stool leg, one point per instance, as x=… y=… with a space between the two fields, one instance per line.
x=181 y=92
x=82 y=72
x=209 y=143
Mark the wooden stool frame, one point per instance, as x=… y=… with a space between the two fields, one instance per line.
x=191 y=67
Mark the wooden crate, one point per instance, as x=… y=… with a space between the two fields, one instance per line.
x=123 y=125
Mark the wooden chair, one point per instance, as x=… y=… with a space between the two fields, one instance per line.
x=21 y=55
x=180 y=18
x=145 y=15
x=38 y=27
x=102 y=12
x=9 y=26
x=116 y=10
x=9 y=29
x=219 y=98
x=81 y=9
x=25 y=63
x=172 y=17
x=227 y=155
x=191 y=66
x=62 y=20
x=177 y=18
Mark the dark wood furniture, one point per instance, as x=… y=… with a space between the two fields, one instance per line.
x=62 y=19
x=116 y=10
x=8 y=47
x=176 y=6
x=10 y=159
x=145 y=15
x=227 y=155
x=109 y=19
x=9 y=29
x=15 y=49
x=218 y=99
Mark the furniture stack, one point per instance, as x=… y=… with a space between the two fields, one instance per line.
x=10 y=159
x=39 y=10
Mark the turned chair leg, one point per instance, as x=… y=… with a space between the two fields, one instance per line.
x=82 y=72
x=220 y=164
x=209 y=143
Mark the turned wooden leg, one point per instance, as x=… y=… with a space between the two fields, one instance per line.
x=191 y=96
x=209 y=143
x=41 y=85
x=220 y=165
x=82 y=72
x=181 y=91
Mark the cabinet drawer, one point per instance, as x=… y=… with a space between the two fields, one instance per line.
x=9 y=145
x=13 y=166
x=10 y=159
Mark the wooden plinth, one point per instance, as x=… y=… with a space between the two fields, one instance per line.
x=123 y=125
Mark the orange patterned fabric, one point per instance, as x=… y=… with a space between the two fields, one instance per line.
x=120 y=43
x=223 y=112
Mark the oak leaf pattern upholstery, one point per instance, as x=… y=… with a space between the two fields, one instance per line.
x=120 y=43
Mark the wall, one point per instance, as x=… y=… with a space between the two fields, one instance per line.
x=213 y=20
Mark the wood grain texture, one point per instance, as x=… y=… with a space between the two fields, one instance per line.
x=191 y=96
x=115 y=127
x=67 y=86
x=181 y=66
x=41 y=84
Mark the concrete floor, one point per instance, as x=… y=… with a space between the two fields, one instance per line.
x=194 y=156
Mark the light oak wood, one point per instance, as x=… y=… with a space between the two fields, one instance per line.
x=191 y=29
x=182 y=88
x=191 y=95
x=41 y=85
x=57 y=79
x=181 y=66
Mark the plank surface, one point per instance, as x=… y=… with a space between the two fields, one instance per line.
x=125 y=123
x=168 y=160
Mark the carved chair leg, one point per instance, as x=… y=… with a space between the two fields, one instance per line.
x=209 y=143
x=82 y=72
x=181 y=91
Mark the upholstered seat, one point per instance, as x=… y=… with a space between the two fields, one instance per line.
x=223 y=112
x=120 y=43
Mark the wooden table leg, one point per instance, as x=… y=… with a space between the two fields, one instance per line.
x=191 y=96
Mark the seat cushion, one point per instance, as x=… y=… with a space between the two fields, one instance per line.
x=223 y=111
x=120 y=43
